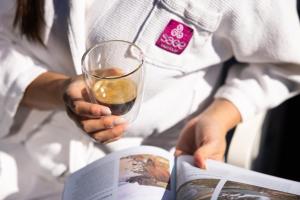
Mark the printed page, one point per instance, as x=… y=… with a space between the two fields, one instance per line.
x=137 y=173
x=224 y=181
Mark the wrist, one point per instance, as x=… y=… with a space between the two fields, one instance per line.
x=46 y=91
x=223 y=113
x=62 y=85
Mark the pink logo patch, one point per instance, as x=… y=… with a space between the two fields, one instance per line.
x=175 y=37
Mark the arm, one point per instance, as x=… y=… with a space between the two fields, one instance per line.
x=25 y=80
x=223 y=112
x=46 y=91
x=18 y=68
x=52 y=90
x=204 y=135
x=270 y=49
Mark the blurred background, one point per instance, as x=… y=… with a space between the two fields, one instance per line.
x=280 y=143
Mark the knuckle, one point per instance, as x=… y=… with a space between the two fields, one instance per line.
x=116 y=132
x=94 y=138
x=107 y=123
x=84 y=126
x=98 y=137
x=76 y=107
x=93 y=109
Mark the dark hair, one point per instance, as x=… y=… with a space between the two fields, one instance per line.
x=298 y=8
x=29 y=18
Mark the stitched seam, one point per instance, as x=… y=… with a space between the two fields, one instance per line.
x=191 y=15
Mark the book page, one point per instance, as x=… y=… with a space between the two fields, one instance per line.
x=224 y=181
x=137 y=173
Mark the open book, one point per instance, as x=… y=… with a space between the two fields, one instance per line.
x=152 y=173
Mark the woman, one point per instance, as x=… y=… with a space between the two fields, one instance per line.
x=185 y=45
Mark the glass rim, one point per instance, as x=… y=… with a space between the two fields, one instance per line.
x=105 y=42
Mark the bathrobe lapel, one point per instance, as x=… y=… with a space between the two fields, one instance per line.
x=76 y=32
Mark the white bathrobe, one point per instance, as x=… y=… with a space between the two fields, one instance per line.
x=38 y=148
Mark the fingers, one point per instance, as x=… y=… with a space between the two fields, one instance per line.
x=109 y=135
x=75 y=99
x=207 y=152
x=179 y=152
x=103 y=129
x=200 y=156
x=94 y=119
x=94 y=125
x=86 y=109
x=186 y=141
x=185 y=146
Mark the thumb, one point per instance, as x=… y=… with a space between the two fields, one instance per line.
x=200 y=156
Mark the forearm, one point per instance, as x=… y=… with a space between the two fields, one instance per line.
x=46 y=91
x=222 y=112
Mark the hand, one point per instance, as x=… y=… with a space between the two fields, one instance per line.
x=204 y=138
x=205 y=135
x=96 y=120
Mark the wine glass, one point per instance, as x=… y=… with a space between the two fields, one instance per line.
x=114 y=76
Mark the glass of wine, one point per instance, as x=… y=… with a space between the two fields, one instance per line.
x=114 y=76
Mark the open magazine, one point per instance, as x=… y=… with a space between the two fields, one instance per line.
x=152 y=173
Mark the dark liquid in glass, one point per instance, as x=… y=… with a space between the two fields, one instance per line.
x=117 y=94
x=119 y=109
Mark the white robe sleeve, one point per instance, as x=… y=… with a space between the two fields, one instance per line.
x=18 y=70
x=265 y=36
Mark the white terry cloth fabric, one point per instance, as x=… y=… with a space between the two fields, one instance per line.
x=24 y=183
x=265 y=35
x=34 y=145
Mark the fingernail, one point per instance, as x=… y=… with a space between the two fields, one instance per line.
x=111 y=140
x=200 y=163
x=177 y=153
x=106 y=111
x=204 y=166
x=97 y=112
x=119 y=121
